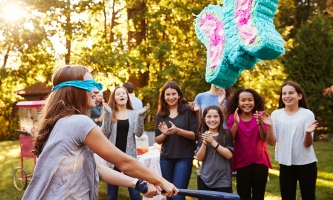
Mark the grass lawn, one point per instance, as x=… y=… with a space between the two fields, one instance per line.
x=10 y=159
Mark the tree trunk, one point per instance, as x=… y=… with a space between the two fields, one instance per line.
x=134 y=13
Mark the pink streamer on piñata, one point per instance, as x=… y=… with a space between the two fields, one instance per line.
x=214 y=29
x=244 y=23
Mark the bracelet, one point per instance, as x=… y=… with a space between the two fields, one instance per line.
x=135 y=181
x=216 y=146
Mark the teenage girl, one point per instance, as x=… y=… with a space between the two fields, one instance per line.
x=176 y=129
x=215 y=152
x=250 y=133
x=294 y=124
x=120 y=125
x=67 y=140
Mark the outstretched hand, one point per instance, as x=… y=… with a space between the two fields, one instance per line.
x=312 y=127
x=194 y=106
x=236 y=116
x=147 y=107
x=221 y=96
x=263 y=117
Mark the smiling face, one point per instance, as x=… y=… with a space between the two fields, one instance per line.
x=290 y=97
x=212 y=120
x=90 y=95
x=121 y=96
x=171 y=97
x=246 y=102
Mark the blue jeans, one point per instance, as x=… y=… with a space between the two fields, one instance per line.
x=178 y=172
x=113 y=191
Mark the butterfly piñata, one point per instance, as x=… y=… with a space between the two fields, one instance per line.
x=236 y=36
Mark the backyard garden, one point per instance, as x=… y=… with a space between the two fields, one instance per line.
x=10 y=159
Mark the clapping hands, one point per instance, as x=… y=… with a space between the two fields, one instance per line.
x=263 y=117
x=165 y=130
x=207 y=138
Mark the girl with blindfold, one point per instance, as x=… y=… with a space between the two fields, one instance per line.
x=68 y=139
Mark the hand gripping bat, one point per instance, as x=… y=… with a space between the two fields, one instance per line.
x=204 y=194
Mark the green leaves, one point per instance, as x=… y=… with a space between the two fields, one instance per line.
x=310 y=63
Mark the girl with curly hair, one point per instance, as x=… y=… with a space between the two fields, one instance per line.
x=250 y=133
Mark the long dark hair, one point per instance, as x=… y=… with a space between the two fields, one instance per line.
x=302 y=102
x=259 y=103
x=60 y=103
x=223 y=134
x=163 y=108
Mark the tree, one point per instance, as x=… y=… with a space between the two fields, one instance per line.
x=309 y=62
x=25 y=57
x=294 y=13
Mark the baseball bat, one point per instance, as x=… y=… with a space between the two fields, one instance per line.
x=206 y=194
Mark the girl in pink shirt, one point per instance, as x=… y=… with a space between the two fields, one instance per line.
x=250 y=133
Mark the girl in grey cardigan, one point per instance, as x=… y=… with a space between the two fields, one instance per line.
x=120 y=125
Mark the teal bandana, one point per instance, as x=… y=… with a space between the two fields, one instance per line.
x=88 y=85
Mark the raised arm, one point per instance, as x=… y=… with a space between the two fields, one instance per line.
x=308 y=139
x=106 y=125
x=221 y=99
x=233 y=123
x=196 y=109
x=139 y=120
x=268 y=136
x=201 y=153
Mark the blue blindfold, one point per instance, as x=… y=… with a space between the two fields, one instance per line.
x=88 y=85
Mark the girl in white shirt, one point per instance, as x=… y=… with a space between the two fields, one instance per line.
x=293 y=125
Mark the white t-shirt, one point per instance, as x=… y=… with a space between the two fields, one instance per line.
x=290 y=132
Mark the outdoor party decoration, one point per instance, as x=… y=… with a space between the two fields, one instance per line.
x=237 y=35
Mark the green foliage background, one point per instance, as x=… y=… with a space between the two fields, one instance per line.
x=151 y=42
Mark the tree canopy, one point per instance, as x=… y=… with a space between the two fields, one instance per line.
x=149 y=43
